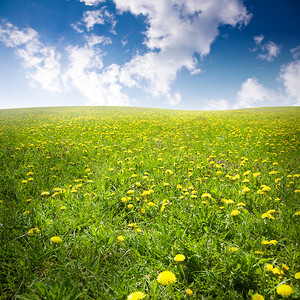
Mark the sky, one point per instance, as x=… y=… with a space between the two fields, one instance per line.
x=176 y=54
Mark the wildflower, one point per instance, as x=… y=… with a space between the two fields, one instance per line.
x=257 y=297
x=166 y=278
x=143 y=210
x=218 y=173
x=206 y=195
x=273 y=242
x=233 y=249
x=266 y=188
x=241 y=204
x=277 y=271
x=189 y=292
x=56 y=240
x=235 y=213
x=26 y=212
x=136 y=296
x=169 y=172
x=285 y=267
x=256 y=174
x=32 y=231
x=297 y=213
x=24 y=181
x=269 y=267
x=297 y=275
x=284 y=290
x=151 y=204
x=130 y=206
x=179 y=257
x=245 y=190
x=45 y=194
x=130 y=192
x=258 y=252
x=124 y=199
x=121 y=238
x=63 y=208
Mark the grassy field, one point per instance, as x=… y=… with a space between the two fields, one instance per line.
x=97 y=202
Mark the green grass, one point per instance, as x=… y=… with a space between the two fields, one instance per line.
x=96 y=161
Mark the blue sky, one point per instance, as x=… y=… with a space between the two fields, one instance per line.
x=179 y=54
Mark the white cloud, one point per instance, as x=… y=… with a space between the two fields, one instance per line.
x=269 y=49
x=177 y=29
x=222 y=104
x=99 y=86
x=290 y=75
x=296 y=52
x=93 y=17
x=43 y=62
x=254 y=94
x=92 y=2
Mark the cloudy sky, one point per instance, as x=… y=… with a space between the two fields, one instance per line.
x=180 y=54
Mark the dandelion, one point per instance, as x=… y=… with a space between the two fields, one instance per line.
x=284 y=290
x=45 y=193
x=233 y=249
x=179 y=257
x=63 y=208
x=189 y=292
x=256 y=174
x=32 y=231
x=166 y=278
x=26 y=212
x=151 y=204
x=143 y=210
x=245 y=190
x=297 y=213
x=257 y=297
x=56 y=240
x=121 y=238
x=297 y=275
x=130 y=206
x=24 y=181
x=269 y=267
x=206 y=195
x=136 y=296
x=235 y=213
x=284 y=266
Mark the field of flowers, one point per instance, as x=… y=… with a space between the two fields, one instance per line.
x=129 y=203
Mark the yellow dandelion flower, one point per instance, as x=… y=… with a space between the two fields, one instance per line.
x=297 y=213
x=121 y=238
x=130 y=206
x=235 y=213
x=32 y=231
x=124 y=199
x=24 y=181
x=179 y=257
x=284 y=266
x=56 y=240
x=166 y=278
x=269 y=267
x=284 y=290
x=206 y=195
x=143 y=210
x=258 y=252
x=189 y=292
x=63 y=208
x=26 y=212
x=256 y=174
x=151 y=204
x=233 y=249
x=297 y=275
x=136 y=296
x=130 y=192
x=257 y=297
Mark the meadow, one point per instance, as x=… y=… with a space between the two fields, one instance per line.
x=136 y=203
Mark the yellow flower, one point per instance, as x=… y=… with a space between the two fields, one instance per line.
x=285 y=267
x=297 y=213
x=297 y=275
x=45 y=194
x=63 y=208
x=256 y=174
x=166 y=278
x=136 y=296
x=56 y=240
x=258 y=252
x=235 y=213
x=206 y=195
x=24 y=181
x=233 y=249
x=189 y=292
x=130 y=206
x=284 y=290
x=32 y=231
x=151 y=204
x=257 y=297
x=179 y=257
x=121 y=238
x=269 y=267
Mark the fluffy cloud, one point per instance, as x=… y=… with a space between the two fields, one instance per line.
x=43 y=62
x=296 y=52
x=177 y=29
x=269 y=49
x=253 y=94
x=93 y=17
x=290 y=76
x=92 y=2
x=216 y=105
x=99 y=86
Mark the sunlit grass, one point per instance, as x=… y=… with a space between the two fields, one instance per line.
x=97 y=202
